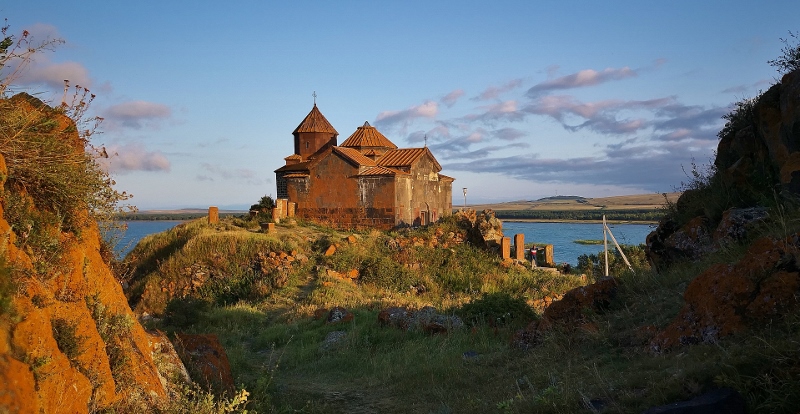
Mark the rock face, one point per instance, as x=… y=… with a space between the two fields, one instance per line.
x=484 y=228
x=725 y=299
x=758 y=157
x=68 y=330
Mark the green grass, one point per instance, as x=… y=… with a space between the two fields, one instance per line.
x=591 y=242
x=274 y=343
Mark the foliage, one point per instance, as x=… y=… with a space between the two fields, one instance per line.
x=67 y=339
x=7 y=289
x=265 y=203
x=740 y=117
x=789 y=60
x=496 y=309
x=594 y=264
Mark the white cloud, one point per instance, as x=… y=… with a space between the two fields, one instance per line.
x=127 y=158
x=135 y=114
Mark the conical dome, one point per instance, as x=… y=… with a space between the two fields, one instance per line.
x=367 y=136
x=315 y=122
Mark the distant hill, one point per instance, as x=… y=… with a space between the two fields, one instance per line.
x=573 y=203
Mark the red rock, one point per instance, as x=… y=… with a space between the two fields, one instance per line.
x=726 y=299
x=207 y=360
x=330 y=250
x=339 y=314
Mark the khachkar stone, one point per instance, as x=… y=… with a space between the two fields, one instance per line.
x=519 y=246
x=276 y=215
x=505 y=247
x=292 y=208
x=548 y=254
x=213 y=215
x=271 y=228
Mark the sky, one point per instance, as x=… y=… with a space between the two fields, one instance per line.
x=518 y=100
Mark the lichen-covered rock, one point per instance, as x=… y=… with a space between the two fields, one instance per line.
x=73 y=334
x=427 y=320
x=207 y=360
x=339 y=314
x=571 y=309
x=728 y=298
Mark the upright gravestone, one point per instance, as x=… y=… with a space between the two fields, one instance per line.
x=213 y=215
x=548 y=254
x=505 y=247
x=276 y=215
x=519 y=246
x=292 y=208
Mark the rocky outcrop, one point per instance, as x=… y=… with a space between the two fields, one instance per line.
x=758 y=157
x=101 y=355
x=483 y=229
x=569 y=312
x=725 y=299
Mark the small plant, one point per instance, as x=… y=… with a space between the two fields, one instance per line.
x=67 y=339
x=790 y=55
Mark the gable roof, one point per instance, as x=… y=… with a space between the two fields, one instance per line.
x=405 y=157
x=378 y=170
x=367 y=136
x=354 y=156
x=315 y=122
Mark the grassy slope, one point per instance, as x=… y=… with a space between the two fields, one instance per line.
x=274 y=343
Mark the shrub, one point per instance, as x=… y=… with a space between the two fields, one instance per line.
x=67 y=339
x=789 y=60
x=594 y=264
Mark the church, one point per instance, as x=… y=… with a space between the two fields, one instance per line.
x=364 y=182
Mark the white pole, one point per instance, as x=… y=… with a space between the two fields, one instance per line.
x=605 y=242
x=614 y=239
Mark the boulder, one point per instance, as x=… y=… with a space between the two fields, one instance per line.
x=727 y=298
x=339 y=314
x=207 y=360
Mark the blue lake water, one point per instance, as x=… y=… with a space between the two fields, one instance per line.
x=137 y=229
x=561 y=235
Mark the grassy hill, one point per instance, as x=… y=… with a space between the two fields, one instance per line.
x=271 y=317
x=577 y=203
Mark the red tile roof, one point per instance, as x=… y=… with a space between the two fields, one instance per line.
x=405 y=157
x=296 y=175
x=315 y=122
x=354 y=156
x=377 y=170
x=293 y=157
x=367 y=136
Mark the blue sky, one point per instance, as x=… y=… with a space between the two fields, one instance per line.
x=518 y=100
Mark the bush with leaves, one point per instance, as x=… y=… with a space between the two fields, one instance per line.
x=789 y=60
x=53 y=167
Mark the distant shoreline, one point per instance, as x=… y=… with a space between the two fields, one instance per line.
x=578 y=221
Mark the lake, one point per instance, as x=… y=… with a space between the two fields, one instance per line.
x=561 y=235
x=137 y=229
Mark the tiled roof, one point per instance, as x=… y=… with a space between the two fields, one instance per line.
x=405 y=157
x=296 y=175
x=378 y=170
x=293 y=157
x=354 y=156
x=315 y=122
x=367 y=136
x=443 y=177
x=300 y=166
